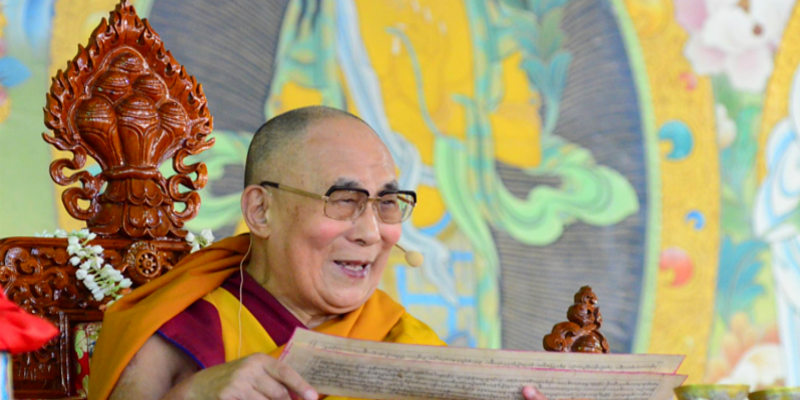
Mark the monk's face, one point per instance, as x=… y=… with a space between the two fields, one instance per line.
x=327 y=266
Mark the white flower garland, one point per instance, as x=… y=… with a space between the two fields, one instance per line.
x=100 y=278
x=199 y=242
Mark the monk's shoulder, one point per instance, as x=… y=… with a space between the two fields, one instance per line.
x=409 y=330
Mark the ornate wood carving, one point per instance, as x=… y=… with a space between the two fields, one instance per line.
x=124 y=101
x=582 y=332
x=37 y=275
x=45 y=370
x=144 y=261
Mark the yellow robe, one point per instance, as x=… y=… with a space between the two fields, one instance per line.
x=133 y=319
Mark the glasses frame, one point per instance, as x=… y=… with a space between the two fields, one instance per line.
x=326 y=198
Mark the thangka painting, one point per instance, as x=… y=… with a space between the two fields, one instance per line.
x=650 y=149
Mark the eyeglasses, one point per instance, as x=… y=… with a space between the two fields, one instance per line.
x=344 y=203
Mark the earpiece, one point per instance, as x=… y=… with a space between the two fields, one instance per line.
x=413 y=258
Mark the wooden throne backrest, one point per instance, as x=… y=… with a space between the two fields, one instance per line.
x=125 y=102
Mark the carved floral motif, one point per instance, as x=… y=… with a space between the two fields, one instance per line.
x=124 y=101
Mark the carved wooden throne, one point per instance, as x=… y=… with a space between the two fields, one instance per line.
x=125 y=102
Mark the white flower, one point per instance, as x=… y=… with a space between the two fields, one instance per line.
x=90 y=284
x=205 y=239
x=761 y=366
x=206 y=234
x=733 y=37
x=726 y=128
x=97 y=276
x=44 y=234
x=110 y=273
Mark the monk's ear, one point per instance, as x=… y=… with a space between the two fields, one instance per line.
x=256 y=207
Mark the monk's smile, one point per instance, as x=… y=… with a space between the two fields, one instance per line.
x=329 y=266
x=354 y=269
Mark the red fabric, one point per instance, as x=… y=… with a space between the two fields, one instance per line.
x=85 y=335
x=20 y=331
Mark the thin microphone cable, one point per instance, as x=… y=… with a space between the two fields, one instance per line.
x=241 y=296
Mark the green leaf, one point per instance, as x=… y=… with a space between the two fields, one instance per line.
x=557 y=73
x=526 y=30
x=549 y=78
x=518 y=4
x=735 y=219
x=541 y=7
x=725 y=94
x=80 y=336
x=550 y=34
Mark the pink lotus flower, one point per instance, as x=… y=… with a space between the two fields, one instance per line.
x=734 y=37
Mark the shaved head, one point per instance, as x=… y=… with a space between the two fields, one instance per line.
x=276 y=135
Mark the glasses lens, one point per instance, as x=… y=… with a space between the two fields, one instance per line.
x=345 y=204
x=396 y=207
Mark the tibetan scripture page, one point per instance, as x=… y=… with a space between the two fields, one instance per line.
x=375 y=370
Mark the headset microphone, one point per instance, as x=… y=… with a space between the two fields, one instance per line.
x=413 y=258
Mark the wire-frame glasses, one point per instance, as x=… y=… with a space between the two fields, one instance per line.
x=345 y=203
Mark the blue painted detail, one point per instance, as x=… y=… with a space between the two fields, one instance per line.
x=5 y=374
x=38 y=22
x=418 y=299
x=94 y=169
x=737 y=277
x=437 y=228
x=462 y=256
x=679 y=134
x=13 y=72
x=698 y=218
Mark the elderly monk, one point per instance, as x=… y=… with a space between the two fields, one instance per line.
x=324 y=211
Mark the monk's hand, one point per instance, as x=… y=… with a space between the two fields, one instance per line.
x=531 y=393
x=255 y=377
